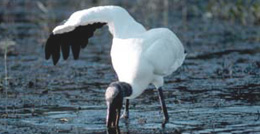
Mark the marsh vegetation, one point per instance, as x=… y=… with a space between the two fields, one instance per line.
x=216 y=90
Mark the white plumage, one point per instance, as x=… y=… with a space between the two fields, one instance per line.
x=139 y=56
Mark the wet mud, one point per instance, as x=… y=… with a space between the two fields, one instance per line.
x=217 y=90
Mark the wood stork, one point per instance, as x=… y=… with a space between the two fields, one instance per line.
x=140 y=57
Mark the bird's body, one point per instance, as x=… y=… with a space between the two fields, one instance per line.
x=146 y=58
x=140 y=57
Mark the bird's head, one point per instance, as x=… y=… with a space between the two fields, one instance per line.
x=114 y=95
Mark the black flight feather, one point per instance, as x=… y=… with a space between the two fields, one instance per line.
x=74 y=40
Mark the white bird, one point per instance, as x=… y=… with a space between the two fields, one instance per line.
x=140 y=57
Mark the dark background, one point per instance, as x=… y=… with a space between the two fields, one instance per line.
x=216 y=90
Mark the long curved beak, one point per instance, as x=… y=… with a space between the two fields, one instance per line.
x=113 y=115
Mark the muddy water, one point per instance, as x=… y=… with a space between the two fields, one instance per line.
x=217 y=90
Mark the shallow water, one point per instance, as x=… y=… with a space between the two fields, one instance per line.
x=215 y=91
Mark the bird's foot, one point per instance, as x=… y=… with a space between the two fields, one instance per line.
x=166 y=120
x=124 y=116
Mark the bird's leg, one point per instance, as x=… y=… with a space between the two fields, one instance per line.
x=126 y=110
x=164 y=108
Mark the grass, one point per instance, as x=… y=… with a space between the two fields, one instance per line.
x=4 y=45
x=245 y=12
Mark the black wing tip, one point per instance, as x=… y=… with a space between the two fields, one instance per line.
x=55 y=42
x=47 y=47
x=47 y=57
x=52 y=48
x=76 y=56
x=55 y=63
x=65 y=58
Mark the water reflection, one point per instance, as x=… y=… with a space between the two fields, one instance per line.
x=218 y=91
x=113 y=130
x=117 y=129
x=125 y=130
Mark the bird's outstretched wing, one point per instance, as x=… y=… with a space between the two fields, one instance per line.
x=74 y=40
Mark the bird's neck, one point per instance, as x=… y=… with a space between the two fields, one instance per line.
x=119 y=21
x=126 y=92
